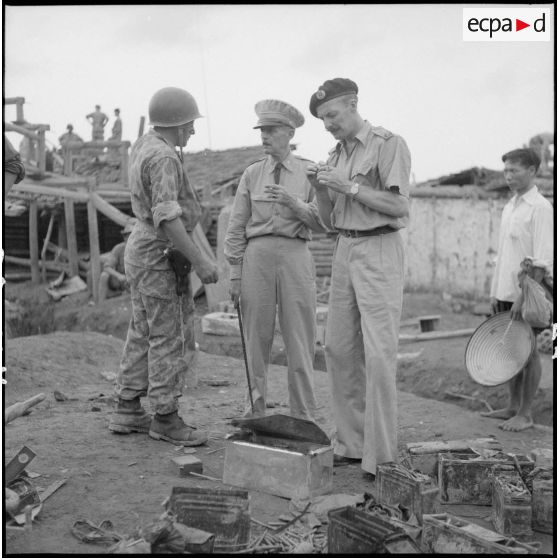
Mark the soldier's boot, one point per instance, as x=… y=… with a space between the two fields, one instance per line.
x=173 y=429
x=129 y=417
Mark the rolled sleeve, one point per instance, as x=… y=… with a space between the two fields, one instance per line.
x=165 y=178
x=166 y=211
x=394 y=164
x=235 y=238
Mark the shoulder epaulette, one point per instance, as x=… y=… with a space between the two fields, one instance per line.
x=256 y=161
x=303 y=159
x=382 y=132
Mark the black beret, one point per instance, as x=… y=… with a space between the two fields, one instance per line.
x=330 y=89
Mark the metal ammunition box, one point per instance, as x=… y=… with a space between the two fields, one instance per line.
x=352 y=531
x=398 y=486
x=511 y=506
x=467 y=479
x=225 y=513
x=279 y=466
x=543 y=502
x=447 y=534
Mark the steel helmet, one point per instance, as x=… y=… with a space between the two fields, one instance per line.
x=172 y=106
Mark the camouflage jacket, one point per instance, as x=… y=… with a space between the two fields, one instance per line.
x=160 y=191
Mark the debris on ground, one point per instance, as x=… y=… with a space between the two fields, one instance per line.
x=22 y=408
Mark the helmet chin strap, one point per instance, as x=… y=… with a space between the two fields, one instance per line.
x=180 y=142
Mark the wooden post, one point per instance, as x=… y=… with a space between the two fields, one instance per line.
x=34 y=241
x=62 y=240
x=71 y=237
x=94 y=251
x=41 y=150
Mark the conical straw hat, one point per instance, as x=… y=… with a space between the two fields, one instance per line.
x=498 y=349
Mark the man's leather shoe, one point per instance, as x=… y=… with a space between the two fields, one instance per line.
x=370 y=477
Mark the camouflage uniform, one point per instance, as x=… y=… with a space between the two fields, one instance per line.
x=160 y=342
x=12 y=161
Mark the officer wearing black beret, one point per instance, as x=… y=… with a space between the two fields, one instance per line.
x=362 y=193
x=331 y=89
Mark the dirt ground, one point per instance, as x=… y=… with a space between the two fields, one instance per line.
x=126 y=478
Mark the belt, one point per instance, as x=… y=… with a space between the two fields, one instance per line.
x=386 y=229
x=278 y=236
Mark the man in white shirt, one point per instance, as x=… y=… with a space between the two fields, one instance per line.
x=526 y=230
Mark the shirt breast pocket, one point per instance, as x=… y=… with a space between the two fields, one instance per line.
x=262 y=208
x=286 y=212
x=368 y=169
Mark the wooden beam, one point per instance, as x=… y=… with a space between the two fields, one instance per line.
x=430 y=335
x=9 y=127
x=71 y=237
x=26 y=262
x=109 y=210
x=18 y=409
x=34 y=241
x=45 y=244
x=14 y=100
x=94 y=251
x=19 y=102
x=50 y=191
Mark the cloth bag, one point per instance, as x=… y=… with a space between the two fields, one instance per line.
x=536 y=308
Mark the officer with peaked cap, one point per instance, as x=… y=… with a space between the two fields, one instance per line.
x=160 y=342
x=362 y=192
x=266 y=245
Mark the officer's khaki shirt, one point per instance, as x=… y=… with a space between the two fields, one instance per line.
x=384 y=159
x=160 y=191
x=253 y=214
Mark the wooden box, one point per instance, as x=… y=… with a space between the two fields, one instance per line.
x=447 y=534
x=511 y=506
x=467 y=479
x=287 y=468
x=542 y=501
x=398 y=485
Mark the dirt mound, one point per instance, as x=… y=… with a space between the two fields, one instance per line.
x=57 y=361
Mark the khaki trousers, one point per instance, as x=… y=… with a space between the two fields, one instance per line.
x=278 y=277
x=361 y=345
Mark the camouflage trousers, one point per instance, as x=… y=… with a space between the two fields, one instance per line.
x=160 y=343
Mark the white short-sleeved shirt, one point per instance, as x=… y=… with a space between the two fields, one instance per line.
x=526 y=230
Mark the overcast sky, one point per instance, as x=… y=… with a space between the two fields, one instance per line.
x=458 y=104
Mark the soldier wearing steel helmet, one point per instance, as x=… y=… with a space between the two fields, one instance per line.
x=160 y=342
x=271 y=266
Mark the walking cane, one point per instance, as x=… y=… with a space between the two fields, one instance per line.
x=238 y=310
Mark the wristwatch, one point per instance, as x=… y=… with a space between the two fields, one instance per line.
x=353 y=191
